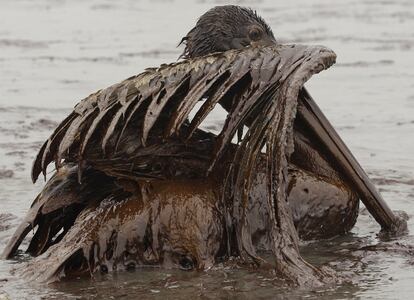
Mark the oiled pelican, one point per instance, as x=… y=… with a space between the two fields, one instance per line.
x=138 y=183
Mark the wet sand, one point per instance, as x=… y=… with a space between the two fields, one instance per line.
x=54 y=53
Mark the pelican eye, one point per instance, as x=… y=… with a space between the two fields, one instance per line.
x=255 y=34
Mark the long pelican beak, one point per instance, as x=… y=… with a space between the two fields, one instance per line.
x=310 y=116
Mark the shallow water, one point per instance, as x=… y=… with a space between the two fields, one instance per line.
x=54 y=53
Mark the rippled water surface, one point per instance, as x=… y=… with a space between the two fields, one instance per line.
x=54 y=53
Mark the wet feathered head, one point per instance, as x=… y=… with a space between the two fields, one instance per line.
x=226 y=27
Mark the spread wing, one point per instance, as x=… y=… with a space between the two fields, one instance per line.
x=133 y=127
x=120 y=127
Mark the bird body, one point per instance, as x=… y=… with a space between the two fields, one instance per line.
x=138 y=182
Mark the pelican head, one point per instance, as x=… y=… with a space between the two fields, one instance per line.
x=226 y=27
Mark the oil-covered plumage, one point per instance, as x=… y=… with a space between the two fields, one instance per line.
x=151 y=110
x=171 y=92
x=138 y=182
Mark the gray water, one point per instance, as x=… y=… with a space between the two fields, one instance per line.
x=54 y=53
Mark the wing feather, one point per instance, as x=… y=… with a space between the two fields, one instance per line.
x=196 y=94
x=156 y=107
x=133 y=127
x=120 y=115
x=73 y=132
x=131 y=109
x=43 y=158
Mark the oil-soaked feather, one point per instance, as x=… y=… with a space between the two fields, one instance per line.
x=259 y=67
x=39 y=162
x=198 y=88
x=264 y=75
x=115 y=121
x=241 y=65
x=211 y=102
x=235 y=120
x=155 y=107
x=21 y=232
x=72 y=133
x=54 y=143
x=95 y=123
x=104 y=103
x=244 y=165
x=196 y=94
x=135 y=108
x=121 y=113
